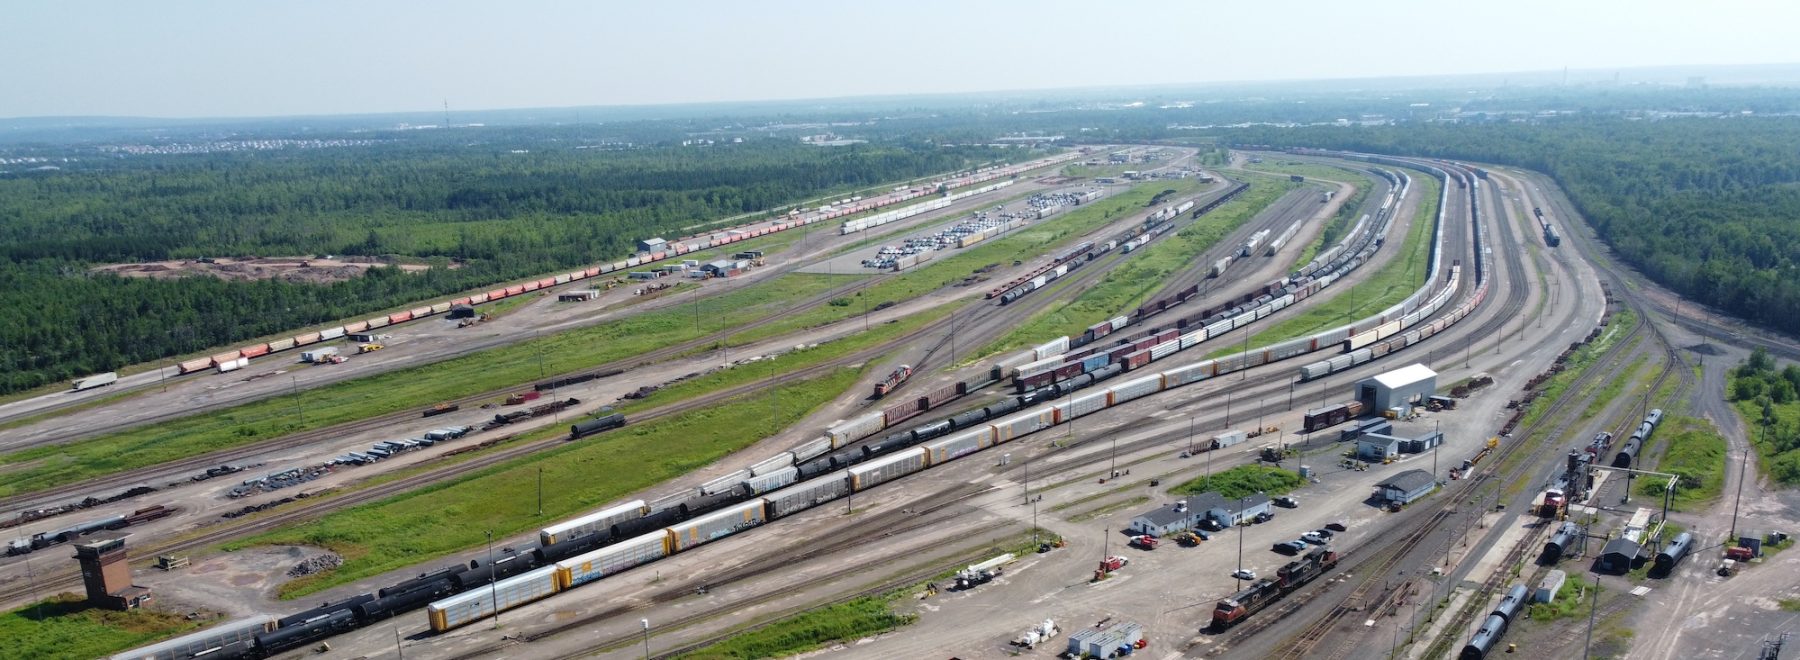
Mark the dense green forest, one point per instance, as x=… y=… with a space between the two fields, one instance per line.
x=1708 y=207
x=498 y=204
x=1768 y=397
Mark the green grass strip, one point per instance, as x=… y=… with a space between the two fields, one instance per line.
x=1393 y=283
x=1131 y=283
x=1695 y=451
x=1241 y=481
x=810 y=630
x=430 y=523
x=65 y=626
x=415 y=387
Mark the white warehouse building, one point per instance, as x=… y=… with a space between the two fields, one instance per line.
x=1400 y=388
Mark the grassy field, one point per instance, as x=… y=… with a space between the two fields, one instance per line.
x=813 y=629
x=1693 y=449
x=1339 y=223
x=66 y=627
x=1241 y=481
x=415 y=387
x=429 y=523
x=1132 y=282
x=1308 y=170
x=1571 y=602
x=1393 y=283
x=786 y=362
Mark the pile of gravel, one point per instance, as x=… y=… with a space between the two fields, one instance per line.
x=317 y=564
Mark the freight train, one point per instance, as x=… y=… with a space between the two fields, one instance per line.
x=1628 y=452
x=1495 y=625
x=1053 y=362
x=235 y=359
x=624 y=536
x=44 y=540
x=1551 y=238
x=1239 y=606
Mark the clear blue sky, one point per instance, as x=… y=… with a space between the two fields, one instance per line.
x=236 y=58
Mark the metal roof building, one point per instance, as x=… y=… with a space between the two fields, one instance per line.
x=1618 y=556
x=1401 y=387
x=1165 y=520
x=1406 y=487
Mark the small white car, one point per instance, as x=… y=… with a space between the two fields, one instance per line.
x=1244 y=574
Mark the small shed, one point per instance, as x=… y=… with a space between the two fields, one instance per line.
x=1406 y=487
x=651 y=245
x=583 y=295
x=1618 y=556
x=461 y=312
x=1378 y=447
x=1552 y=583
x=1403 y=387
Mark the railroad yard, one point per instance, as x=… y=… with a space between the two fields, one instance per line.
x=1037 y=364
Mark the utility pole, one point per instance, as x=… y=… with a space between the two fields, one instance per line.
x=298 y=409
x=1240 y=526
x=1593 y=608
x=646 y=624
x=493 y=588
x=540 y=491
x=1740 y=487
x=397 y=651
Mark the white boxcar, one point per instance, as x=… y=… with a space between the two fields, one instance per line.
x=97 y=380
x=1024 y=423
x=1339 y=363
x=1191 y=339
x=958 y=445
x=1037 y=367
x=1164 y=350
x=764 y=483
x=856 y=429
x=1056 y=347
x=882 y=470
x=1360 y=356
x=1315 y=370
x=471 y=606
x=726 y=482
x=1289 y=348
x=1192 y=373
x=1217 y=329
x=811 y=449
x=1088 y=405
x=1359 y=340
x=1243 y=319
x=1134 y=389
x=1119 y=322
x=718 y=524
x=774 y=463
x=631 y=553
x=598 y=521
x=187 y=646
x=807 y=494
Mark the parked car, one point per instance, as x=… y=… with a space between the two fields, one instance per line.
x=1244 y=574
x=1287 y=502
x=1264 y=517
x=1324 y=533
x=1313 y=538
x=1289 y=547
x=1337 y=526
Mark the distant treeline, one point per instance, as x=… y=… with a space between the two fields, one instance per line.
x=502 y=212
x=1707 y=207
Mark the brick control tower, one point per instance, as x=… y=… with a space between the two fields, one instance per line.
x=107 y=574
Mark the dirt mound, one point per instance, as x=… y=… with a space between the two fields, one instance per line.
x=306 y=270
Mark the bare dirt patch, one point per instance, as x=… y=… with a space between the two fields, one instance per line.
x=306 y=270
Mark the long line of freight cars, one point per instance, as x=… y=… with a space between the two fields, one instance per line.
x=621 y=537
x=1086 y=369
x=1155 y=224
x=237 y=359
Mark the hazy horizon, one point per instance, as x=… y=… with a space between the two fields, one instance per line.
x=225 y=60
